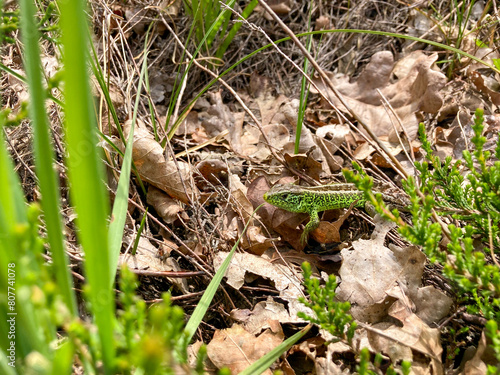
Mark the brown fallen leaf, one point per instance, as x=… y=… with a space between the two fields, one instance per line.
x=147 y=257
x=287 y=224
x=257 y=242
x=218 y=116
x=374 y=277
x=484 y=356
x=416 y=89
x=409 y=342
x=237 y=348
x=155 y=169
x=330 y=232
x=264 y=312
x=283 y=222
x=214 y=172
x=246 y=266
x=481 y=84
x=305 y=163
x=165 y=206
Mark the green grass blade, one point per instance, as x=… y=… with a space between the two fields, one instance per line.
x=150 y=106
x=139 y=231
x=266 y=361
x=63 y=359
x=85 y=171
x=183 y=114
x=44 y=154
x=120 y=206
x=12 y=203
x=18 y=250
x=202 y=307
x=230 y=36
x=99 y=75
x=220 y=17
x=13 y=219
x=121 y=200
x=304 y=87
x=5 y=369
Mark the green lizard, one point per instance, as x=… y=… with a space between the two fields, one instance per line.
x=314 y=199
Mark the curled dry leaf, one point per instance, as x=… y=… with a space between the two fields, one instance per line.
x=269 y=107
x=330 y=232
x=307 y=142
x=238 y=198
x=306 y=164
x=485 y=355
x=409 y=342
x=237 y=349
x=257 y=242
x=456 y=139
x=416 y=89
x=214 y=172
x=190 y=125
x=334 y=162
x=171 y=7
x=147 y=257
x=244 y=265
x=139 y=17
x=487 y=86
x=335 y=133
x=277 y=134
x=322 y=22
x=257 y=320
x=218 y=116
x=165 y=206
x=372 y=294
x=155 y=169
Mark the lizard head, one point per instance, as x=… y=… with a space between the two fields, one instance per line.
x=287 y=197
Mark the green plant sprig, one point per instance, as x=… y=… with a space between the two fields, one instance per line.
x=331 y=315
x=471 y=188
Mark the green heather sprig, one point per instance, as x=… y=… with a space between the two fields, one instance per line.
x=472 y=188
x=469 y=190
x=331 y=315
x=9 y=22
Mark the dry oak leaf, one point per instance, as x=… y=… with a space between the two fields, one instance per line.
x=485 y=355
x=165 y=206
x=147 y=258
x=366 y=273
x=416 y=88
x=244 y=264
x=246 y=267
x=375 y=276
x=237 y=349
x=485 y=84
x=409 y=342
x=155 y=169
x=283 y=222
x=259 y=318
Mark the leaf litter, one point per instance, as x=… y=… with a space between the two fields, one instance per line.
x=206 y=197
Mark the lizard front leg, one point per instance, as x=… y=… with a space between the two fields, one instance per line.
x=311 y=225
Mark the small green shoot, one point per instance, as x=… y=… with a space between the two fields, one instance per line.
x=331 y=315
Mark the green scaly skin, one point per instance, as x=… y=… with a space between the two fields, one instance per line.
x=314 y=199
